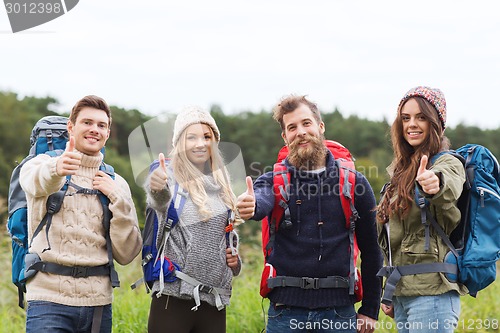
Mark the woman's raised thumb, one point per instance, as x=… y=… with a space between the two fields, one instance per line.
x=423 y=165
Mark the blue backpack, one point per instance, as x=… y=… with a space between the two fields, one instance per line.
x=49 y=136
x=475 y=243
x=152 y=265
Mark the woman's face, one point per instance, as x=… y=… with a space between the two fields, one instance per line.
x=415 y=125
x=199 y=139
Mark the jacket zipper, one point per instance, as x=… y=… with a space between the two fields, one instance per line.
x=481 y=194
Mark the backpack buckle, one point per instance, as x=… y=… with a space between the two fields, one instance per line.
x=309 y=283
x=206 y=289
x=80 y=272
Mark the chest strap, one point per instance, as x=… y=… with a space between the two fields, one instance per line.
x=394 y=274
x=308 y=282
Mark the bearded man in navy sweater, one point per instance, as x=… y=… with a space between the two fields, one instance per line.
x=316 y=246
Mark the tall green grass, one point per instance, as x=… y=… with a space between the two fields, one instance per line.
x=245 y=314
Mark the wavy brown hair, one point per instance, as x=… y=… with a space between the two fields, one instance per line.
x=406 y=161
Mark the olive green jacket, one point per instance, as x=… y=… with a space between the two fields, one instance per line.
x=407 y=235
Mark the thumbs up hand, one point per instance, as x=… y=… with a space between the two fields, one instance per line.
x=246 y=201
x=427 y=179
x=159 y=177
x=69 y=162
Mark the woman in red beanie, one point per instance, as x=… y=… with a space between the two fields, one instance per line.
x=421 y=302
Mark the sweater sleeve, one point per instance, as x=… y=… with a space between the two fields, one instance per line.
x=371 y=256
x=124 y=230
x=452 y=178
x=264 y=196
x=38 y=177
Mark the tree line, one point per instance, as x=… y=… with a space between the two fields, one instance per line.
x=256 y=133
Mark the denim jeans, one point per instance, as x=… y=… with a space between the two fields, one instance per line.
x=427 y=314
x=294 y=319
x=43 y=316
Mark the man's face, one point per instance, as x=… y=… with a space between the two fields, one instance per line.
x=91 y=130
x=304 y=137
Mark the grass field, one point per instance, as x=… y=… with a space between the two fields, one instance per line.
x=246 y=312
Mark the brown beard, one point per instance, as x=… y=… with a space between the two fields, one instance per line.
x=307 y=158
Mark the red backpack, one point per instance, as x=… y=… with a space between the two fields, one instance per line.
x=281 y=181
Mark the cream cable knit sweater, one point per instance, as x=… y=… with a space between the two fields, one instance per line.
x=77 y=235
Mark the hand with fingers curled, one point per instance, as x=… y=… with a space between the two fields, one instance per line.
x=69 y=162
x=158 y=179
x=104 y=183
x=246 y=201
x=231 y=259
x=365 y=324
x=427 y=179
x=388 y=309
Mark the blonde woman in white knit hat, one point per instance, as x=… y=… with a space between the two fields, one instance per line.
x=201 y=244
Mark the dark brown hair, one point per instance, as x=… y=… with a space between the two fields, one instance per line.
x=90 y=101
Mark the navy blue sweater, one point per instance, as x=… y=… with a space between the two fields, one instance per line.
x=297 y=250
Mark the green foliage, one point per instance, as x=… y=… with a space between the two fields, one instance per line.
x=462 y=134
x=17 y=118
x=123 y=123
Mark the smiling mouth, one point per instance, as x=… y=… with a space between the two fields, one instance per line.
x=92 y=139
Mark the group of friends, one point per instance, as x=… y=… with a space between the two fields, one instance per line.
x=315 y=247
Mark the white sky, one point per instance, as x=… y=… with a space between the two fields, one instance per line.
x=358 y=55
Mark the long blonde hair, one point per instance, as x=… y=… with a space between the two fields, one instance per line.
x=190 y=178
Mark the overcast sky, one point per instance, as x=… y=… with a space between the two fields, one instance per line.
x=358 y=55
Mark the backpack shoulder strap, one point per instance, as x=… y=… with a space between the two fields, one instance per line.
x=179 y=198
x=106 y=221
x=108 y=169
x=347 y=183
x=176 y=206
x=281 y=184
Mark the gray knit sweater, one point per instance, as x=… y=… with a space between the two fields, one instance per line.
x=198 y=247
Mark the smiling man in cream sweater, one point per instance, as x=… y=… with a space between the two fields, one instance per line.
x=76 y=295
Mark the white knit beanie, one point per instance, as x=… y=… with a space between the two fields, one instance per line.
x=190 y=115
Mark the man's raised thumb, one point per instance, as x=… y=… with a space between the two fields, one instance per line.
x=70 y=145
x=249 y=186
x=423 y=165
